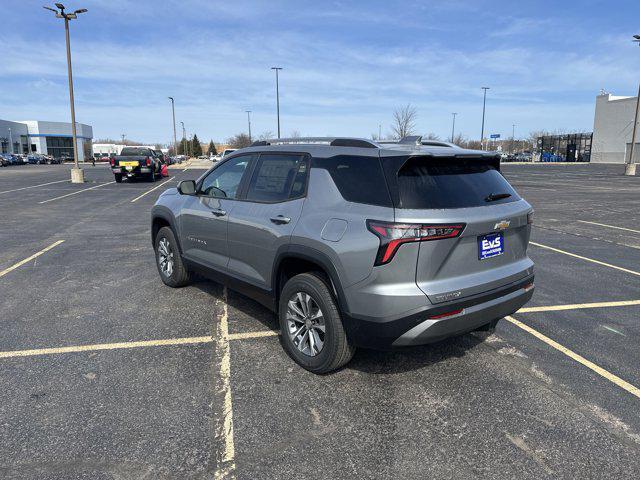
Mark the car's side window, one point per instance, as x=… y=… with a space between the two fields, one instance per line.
x=278 y=177
x=224 y=181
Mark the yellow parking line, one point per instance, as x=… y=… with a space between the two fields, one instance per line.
x=151 y=190
x=626 y=270
x=609 y=226
x=34 y=186
x=224 y=429
x=577 y=306
x=28 y=259
x=75 y=193
x=247 y=335
x=578 y=358
x=105 y=346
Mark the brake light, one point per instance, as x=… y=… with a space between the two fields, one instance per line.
x=148 y=162
x=448 y=314
x=112 y=161
x=392 y=235
x=530 y=217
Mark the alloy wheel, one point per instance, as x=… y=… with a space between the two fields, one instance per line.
x=306 y=325
x=165 y=257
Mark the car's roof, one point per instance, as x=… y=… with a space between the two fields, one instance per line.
x=323 y=147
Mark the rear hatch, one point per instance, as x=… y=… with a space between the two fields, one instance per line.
x=474 y=226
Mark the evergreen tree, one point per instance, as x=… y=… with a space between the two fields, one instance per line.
x=196 y=148
x=211 y=150
x=181 y=146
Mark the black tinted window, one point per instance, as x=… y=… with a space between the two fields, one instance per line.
x=278 y=178
x=135 y=152
x=359 y=179
x=451 y=183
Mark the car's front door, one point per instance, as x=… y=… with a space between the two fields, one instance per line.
x=266 y=217
x=204 y=216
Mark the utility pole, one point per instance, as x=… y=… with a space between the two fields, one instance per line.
x=175 y=140
x=11 y=141
x=484 y=105
x=184 y=141
x=249 y=121
x=277 y=69
x=630 y=168
x=77 y=175
x=513 y=137
x=453 y=128
x=123 y=135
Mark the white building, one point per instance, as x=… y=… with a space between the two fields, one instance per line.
x=612 y=129
x=47 y=138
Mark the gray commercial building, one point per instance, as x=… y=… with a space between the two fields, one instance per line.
x=612 y=129
x=47 y=138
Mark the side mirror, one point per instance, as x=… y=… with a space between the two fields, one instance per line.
x=187 y=187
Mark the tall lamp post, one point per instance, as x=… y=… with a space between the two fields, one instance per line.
x=77 y=175
x=175 y=140
x=484 y=105
x=630 y=168
x=184 y=140
x=277 y=69
x=249 y=121
x=513 y=137
x=453 y=127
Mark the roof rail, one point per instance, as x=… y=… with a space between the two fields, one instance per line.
x=417 y=140
x=331 y=141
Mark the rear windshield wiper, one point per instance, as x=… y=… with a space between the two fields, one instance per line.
x=496 y=196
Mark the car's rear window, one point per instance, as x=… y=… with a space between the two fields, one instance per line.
x=425 y=182
x=134 y=152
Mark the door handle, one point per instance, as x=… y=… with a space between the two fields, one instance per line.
x=280 y=220
x=219 y=212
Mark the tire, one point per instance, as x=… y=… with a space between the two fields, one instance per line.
x=118 y=177
x=335 y=350
x=179 y=275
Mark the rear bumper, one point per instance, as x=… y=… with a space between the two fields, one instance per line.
x=419 y=328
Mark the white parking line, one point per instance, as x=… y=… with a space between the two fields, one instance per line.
x=626 y=270
x=610 y=226
x=578 y=306
x=151 y=190
x=34 y=186
x=633 y=390
x=28 y=259
x=75 y=193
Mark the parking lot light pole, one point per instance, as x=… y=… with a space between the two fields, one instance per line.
x=484 y=105
x=77 y=175
x=184 y=141
x=630 y=167
x=175 y=140
x=453 y=127
x=513 y=137
x=277 y=96
x=249 y=121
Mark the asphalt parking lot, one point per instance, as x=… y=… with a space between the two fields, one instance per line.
x=109 y=374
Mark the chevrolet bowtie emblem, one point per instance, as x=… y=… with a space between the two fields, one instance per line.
x=502 y=225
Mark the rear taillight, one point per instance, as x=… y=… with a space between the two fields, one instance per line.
x=112 y=161
x=530 y=217
x=392 y=235
x=148 y=162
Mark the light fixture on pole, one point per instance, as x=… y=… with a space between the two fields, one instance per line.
x=484 y=105
x=630 y=167
x=175 y=140
x=249 y=121
x=277 y=69
x=77 y=175
x=453 y=127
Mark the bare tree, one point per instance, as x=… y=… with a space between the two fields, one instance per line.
x=240 y=140
x=295 y=134
x=266 y=135
x=404 y=121
x=430 y=136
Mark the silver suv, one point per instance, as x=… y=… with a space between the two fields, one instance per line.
x=354 y=243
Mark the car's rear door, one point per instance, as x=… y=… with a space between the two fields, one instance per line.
x=470 y=193
x=204 y=216
x=265 y=218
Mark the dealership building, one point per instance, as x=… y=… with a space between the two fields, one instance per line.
x=612 y=129
x=47 y=138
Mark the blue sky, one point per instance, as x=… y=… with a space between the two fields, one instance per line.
x=347 y=65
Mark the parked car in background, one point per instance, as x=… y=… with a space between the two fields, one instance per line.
x=136 y=162
x=36 y=159
x=227 y=152
x=3 y=161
